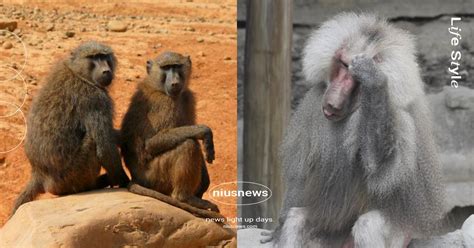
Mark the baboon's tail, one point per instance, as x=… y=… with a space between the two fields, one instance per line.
x=29 y=193
x=138 y=189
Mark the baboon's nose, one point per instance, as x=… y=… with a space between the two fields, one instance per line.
x=335 y=107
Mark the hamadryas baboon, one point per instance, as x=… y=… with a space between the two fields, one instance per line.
x=359 y=158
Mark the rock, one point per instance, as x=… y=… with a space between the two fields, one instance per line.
x=459 y=194
x=459 y=98
x=191 y=29
x=8 y=24
x=468 y=231
x=452 y=114
x=251 y=237
x=201 y=54
x=451 y=240
x=117 y=26
x=200 y=40
x=109 y=218
x=50 y=27
x=70 y=34
x=227 y=58
x=18 y=32
x=7 y=45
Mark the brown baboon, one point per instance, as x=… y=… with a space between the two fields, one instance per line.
x=160 y=138
x=359 y=155
x=70 y=133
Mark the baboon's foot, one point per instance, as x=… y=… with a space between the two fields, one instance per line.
x=203 y=204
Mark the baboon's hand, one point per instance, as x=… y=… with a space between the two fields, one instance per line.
x=209 y=147
x=366 y=71
x=203 y=131
x=267 y=237
x=208 y=141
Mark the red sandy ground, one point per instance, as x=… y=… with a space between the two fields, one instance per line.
x=206 y=30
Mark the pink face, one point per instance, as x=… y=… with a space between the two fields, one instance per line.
x=338 y=98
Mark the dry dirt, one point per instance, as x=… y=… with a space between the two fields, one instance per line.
x=205 y=30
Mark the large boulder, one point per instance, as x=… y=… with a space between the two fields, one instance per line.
x=110 y=218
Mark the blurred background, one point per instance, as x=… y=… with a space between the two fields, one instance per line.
x=429 y=21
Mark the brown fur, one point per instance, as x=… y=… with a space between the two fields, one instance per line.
x=70 y=133
x=159 y=140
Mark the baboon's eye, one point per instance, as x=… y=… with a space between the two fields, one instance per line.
x=166 y=67
x=110 y=61
x=343 y=63
x=110 y=64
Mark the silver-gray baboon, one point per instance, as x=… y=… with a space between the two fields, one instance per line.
x=359 y=154
x=160 y=138
x=69 y=132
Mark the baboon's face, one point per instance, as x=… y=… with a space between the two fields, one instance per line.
x=341 y=97
x=169 y=78
x=101 y=69
x=172 y=79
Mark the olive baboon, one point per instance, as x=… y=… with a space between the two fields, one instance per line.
x=159 y=138
x=69 y=132
x=359 y=154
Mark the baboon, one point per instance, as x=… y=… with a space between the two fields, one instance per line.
x=359 y=154
x=160 y=138
x=69 y=127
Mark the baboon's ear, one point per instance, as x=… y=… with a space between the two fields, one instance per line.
x=149 y=64
x=189 y=59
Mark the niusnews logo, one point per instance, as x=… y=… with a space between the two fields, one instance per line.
x=253 y=193
x=240 y=193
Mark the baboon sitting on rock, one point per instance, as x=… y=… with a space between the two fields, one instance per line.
x=69 y=132
x=160 y=138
